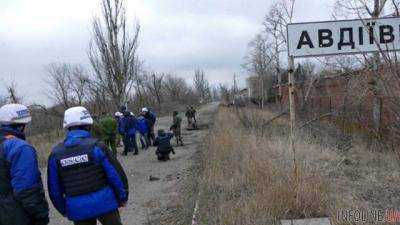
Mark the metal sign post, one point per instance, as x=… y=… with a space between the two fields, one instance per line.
x=292 y=110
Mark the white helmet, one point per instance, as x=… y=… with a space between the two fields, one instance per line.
x=118 y=114
x=14 y=114
x=145 y=109
x=77 y=116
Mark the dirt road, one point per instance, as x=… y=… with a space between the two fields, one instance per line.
x=147 y=196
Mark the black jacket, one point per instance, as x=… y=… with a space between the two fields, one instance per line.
x=163 y=143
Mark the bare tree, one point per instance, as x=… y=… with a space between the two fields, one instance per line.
x=201 y=85
x=79 y=83
x=374 y=9
x=258 y=61
x=225 y=94
x=13 y=96
x=280 y=14
x=113 y=51
x=154 y=84
x=59 y=84
x=175 y=87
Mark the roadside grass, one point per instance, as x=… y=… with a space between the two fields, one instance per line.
x=43 y=144
x=246 y=174
x=246 y=179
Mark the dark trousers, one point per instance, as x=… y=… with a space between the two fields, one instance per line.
x=151 y=136
x=130 y=143
x=111 y=218
x=127 y=144
x=163 y=157
x=144 y=140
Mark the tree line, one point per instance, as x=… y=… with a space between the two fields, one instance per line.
x=116 y=76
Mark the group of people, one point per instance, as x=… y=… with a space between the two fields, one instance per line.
x=86 y=183
x=129 y=125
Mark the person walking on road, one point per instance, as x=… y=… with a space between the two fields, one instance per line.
x=152 y=118
x=191 y=117
x=86 y=182
x=164 y=147
x=22 y=198
x=143 y=128
x=128 y=132
x=176 y=127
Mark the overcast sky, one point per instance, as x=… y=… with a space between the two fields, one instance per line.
x=177 y=37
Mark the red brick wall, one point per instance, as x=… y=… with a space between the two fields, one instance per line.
x=330 y=94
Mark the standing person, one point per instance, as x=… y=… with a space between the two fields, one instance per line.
x=143 y=128
x=188 y=115
x=118 y=116
x=22 y=198
x=164 y=147
x=109 y=132
x=152 y=118
x=176 y=127
x=193 y=113
x=85 y=181
x=128 y=129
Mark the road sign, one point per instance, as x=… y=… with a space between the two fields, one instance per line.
x=343 y=37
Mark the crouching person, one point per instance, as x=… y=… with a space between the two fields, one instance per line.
x=22 y=199
x=86 y=183
x=164 y=147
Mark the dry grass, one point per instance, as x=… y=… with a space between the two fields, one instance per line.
x=249 y=180
x=43 y=144
x=247 y=174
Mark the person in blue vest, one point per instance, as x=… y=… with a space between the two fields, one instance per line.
x=128 y=130
x=86 y=182
x=143 y=128
x=152 y=118
x=22 y=198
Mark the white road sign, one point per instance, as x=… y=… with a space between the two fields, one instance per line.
x=343 y=37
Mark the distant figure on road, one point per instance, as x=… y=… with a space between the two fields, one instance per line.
x=191 y=117
x=164 y=147
x=86 y=183
x=152 y=118
x=176 y=127
x=22 y=199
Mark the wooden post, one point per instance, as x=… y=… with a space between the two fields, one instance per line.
x=376 y=102
x=292 y=110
